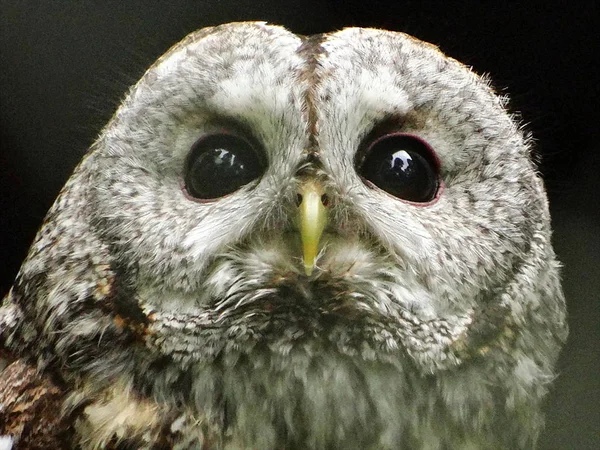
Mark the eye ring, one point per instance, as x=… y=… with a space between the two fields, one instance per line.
x=219 y=164
x=402 y=165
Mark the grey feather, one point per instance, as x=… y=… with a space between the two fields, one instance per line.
x=193 y=323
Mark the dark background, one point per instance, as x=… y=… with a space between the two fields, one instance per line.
x=64 y=66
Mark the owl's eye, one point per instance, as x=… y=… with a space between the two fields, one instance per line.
x=402 y=165
x=219 y=164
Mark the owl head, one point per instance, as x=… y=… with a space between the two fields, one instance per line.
x=335 y=241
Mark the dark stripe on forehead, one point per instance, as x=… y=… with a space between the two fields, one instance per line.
x=310 y=50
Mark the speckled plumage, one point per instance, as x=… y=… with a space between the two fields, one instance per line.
x=176 y=323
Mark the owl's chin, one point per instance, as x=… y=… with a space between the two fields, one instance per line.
x=292 y=318
x=271 y=324
x=357 y=304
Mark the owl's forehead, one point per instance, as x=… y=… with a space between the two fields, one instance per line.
x=257 y=41
x=255 y=63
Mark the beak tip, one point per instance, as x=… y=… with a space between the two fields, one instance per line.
x=308 y=269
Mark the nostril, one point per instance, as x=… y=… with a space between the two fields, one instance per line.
x=298 y=199
x=325 y=200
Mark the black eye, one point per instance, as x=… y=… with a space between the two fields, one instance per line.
x=220 y=164
x=402 y=165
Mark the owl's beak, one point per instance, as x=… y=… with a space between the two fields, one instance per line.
x=312 y=219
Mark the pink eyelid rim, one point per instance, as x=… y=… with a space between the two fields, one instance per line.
x=436 y=160
x=194 y=199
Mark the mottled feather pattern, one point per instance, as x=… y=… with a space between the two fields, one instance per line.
x=175 y=323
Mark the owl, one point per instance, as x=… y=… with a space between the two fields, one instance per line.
x=284 y=242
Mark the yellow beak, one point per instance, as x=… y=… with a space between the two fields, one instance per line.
x=312 y=219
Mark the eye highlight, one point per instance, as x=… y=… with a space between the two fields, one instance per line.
x=403 y=165
x=219 y=164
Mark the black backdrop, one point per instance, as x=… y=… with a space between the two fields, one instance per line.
x=64 y=66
